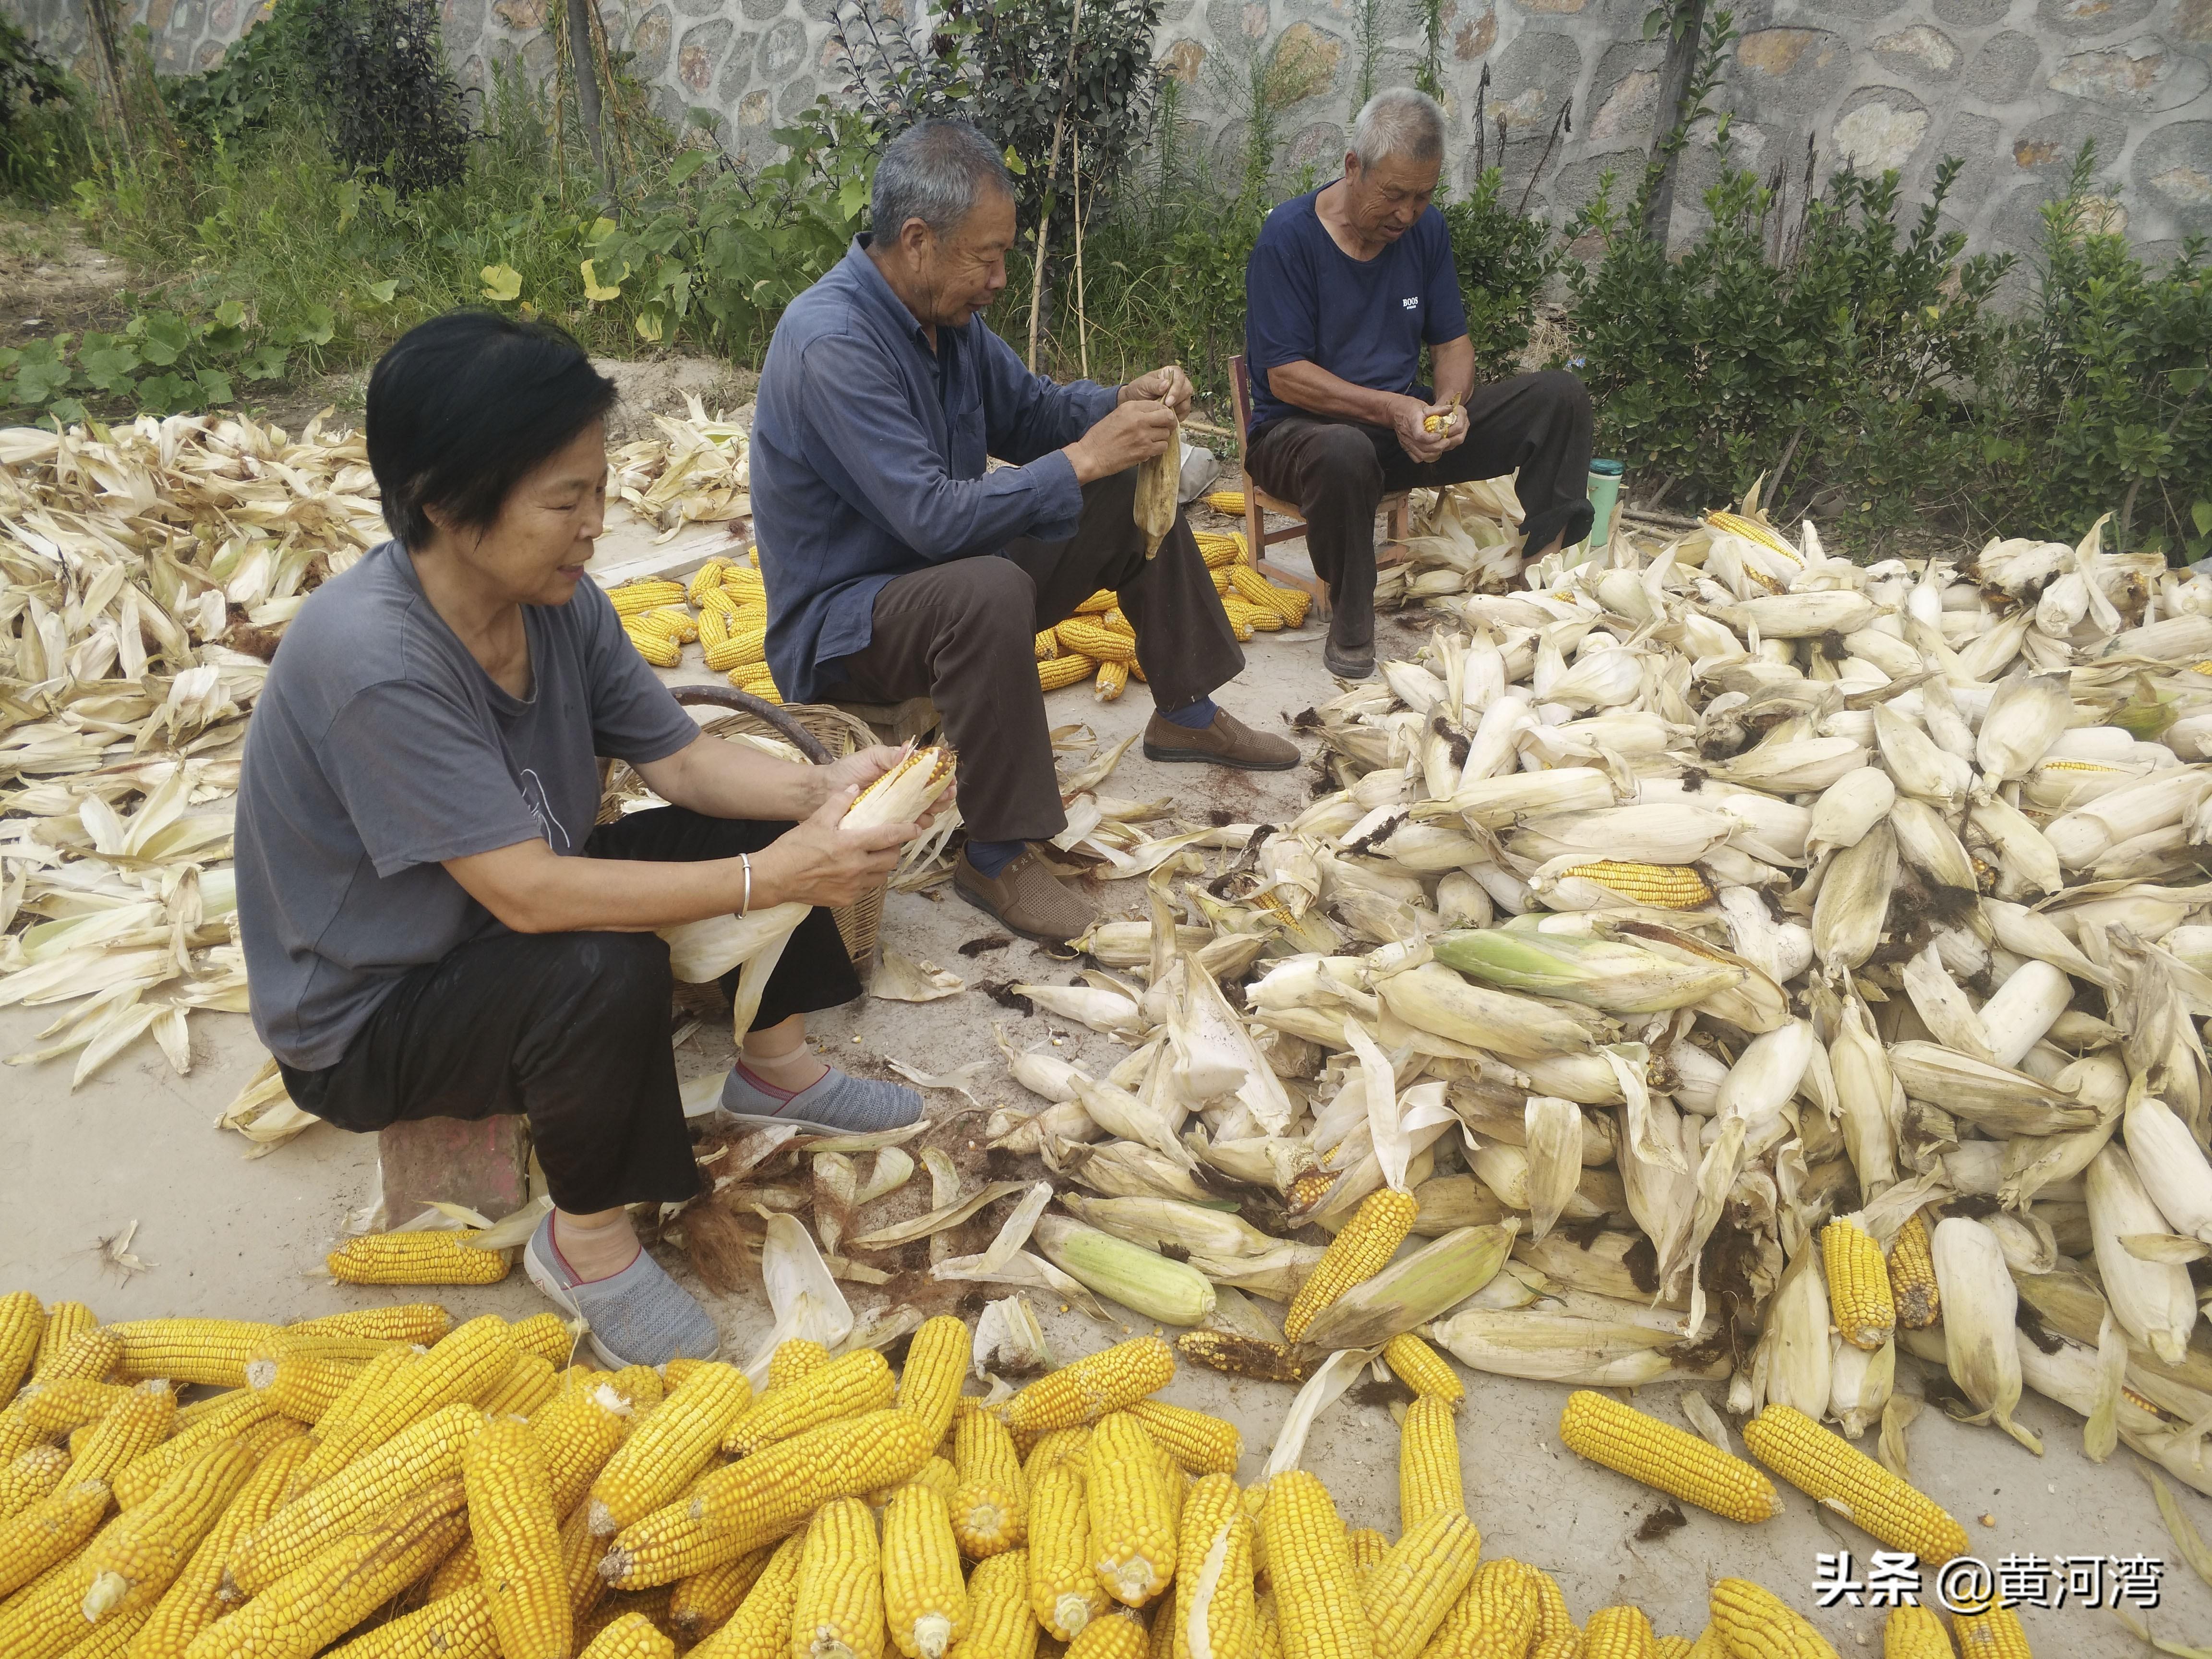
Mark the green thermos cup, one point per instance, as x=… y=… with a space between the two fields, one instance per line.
x=1604 y=496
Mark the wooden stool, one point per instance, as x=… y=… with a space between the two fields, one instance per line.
x=1396 y=508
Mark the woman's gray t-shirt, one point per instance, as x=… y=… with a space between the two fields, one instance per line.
x=379 y=748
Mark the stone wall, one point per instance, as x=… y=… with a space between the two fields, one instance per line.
x=2012 y=87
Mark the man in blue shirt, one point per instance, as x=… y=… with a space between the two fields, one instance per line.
x=897 y=566
x=1343 y=289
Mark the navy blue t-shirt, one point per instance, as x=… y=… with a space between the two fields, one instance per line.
x=1363 y=320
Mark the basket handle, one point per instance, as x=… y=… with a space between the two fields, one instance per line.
x=768 y=713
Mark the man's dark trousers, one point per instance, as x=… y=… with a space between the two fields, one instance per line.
x=1336 y=473
x=963 y=633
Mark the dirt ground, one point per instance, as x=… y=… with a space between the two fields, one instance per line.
x=225 y=1234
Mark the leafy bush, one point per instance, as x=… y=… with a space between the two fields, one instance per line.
x=271 y=70
x=393 y=107
x=159 y=362
x=38 y=102
x=1504 y=261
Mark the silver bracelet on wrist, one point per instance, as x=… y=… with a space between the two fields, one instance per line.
x=745 y=903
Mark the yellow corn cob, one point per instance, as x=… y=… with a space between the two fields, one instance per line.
x=1112 y=680
x=1243 y=1356
x=243 y=1412
x=990 y=1506
x=840 y=1612
x=22 y=1322
x=65 y=1322
x=724 y=602
x=1753 y=1621
x=420 y=1322
x=544 y=1336
x=578 y=1430
x=641 y=1386
x=1618 y=1633
x=761 y=1627
x=632 y=1636
x=1858 y=1285
x=764 y=687
x=1240 y=623
x=1368 y=1548
x=938 y=1474
x=936 y=1365
x=421 y=1455
x=1263 y=618
x=1914 y=1633
x=1494 y=1617
x=860 y=1382
x=1055 y=1446
x=131 y=1564
x=1066 y=669
x=634 y=599
x=193 y=1601
x=517 y=1536
x=1318 y=1608
x=1213 y=1572
x=455 y=1626
x=1423 y=1369
x=652 y=1606
x=1132 y=1510
x=1673 y=1647
x=47 y=1532
x=34 y=1476
x=1047 y=645
x=924 y=1597
x=1121 y=1636
x=1159 y=1640
x=1830 y=1470
x=735 y=1509
x=793 y=1359
x=1110 y=1380
x=1556 y=1635
x=1669 y=886
x=334 y=1428
x=998 y=1622
x=419 y=1258
x=1913 y=1278
x=741 y=646
x=1092 y=638
x=137 y=1425
x=198 y=1411
x=581 y=1551
x=1355 y=1255
x=460 y=1569
x=709 y=578
x=210 y=1350
x=465 y=1366
x=1660 y=1455
x=94 y=1354
x=715 y=626
x=1098 y=604
x=745 y=577
x=1429 y=1480
x=524 y=1390
x=672 y=1448
x=661 y=652
x=1271 y=1630
x=1751 y=530
x=704 y=1602
x=1230 y=501
x=1221 y=582
x=302 y=1385
x=1063 y=1584
x=1256 y=591
x=1197 y=1441
x=671 y=620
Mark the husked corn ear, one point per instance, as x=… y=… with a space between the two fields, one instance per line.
x=1618 y=1633
x=1751 y=530
x=49 y=1531
x=1429 y=1478
x=1118 y=1638
x=657 y=648
x=210 y=1350
x=998 y=1622
x=1755 y=1623
x=418 y=1258
x=634 y=599
x=703 y=1601
x=524 y=1390
x=672 y=620
x=1914 y=1633
x=193 y=1600
x=1047 y=645
x=1066 y=669
x=1858 y=1285
x=582 y=1550
x=1239 y=619
x=1673 y=1647
x=1996 y=1634
x=544 y=1336
x=1830 y=1470
x=32 y=1476
x=840 y=1612
x=1556 y=1635
x=1134 y=1511
x=1112 y=680
x=333 y=1427
x=126 y=1569
x=1319 y=1613
x=420 y=1455
x=1098 y=604
x=517 y=1536
x=1669 y=886
x=651 y=1605
x=1913 y=1278
x=761 y=1627
x=93 y=1354
x=736 y=1509
x=793 y=1359
x=1110 y=1380
x=632 y=1636
x=455 y=1626
x=742 y=645
x=135 y=1481
x=22 y=1322
x=936 y=1365
x=465 y=1366
x=938 y=1474
x=924 y=1597
x=1198 y=1441
x=1094 y=640
x=671 y=1448
x=707 y=579
x=1262 y=618
x=990 y=1506
x=1408 y=1592
x=1362 y=1249
x=423 y=1323
x=1673 y=1459
x=859 y=1381
x=1423 y=1369
x=1063 y=1584
x=1494 y=1617
x=1237 y=1355
x=460 y=1569
x=139 y=1423
x=754 y=680
x=642 y=1387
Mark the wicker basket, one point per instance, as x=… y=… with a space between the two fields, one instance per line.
x=824 y=735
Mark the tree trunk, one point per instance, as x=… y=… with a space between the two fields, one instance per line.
x=586 y=65
x=1673 y=88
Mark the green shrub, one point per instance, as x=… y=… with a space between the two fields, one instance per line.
x=1504 y=260
x=41 y=121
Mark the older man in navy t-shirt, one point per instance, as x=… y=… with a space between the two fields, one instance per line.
x=1342 y=291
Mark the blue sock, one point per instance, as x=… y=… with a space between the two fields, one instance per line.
x=1197 y=717
x=989 y=857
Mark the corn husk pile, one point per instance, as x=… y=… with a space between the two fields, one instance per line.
x=151 y=571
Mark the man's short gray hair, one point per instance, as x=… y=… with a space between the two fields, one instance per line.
x=1399 y=122
x=934 y=172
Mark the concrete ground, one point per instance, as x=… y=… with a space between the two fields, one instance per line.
x=233 y=1236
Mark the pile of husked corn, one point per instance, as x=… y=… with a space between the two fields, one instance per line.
x=376 y=1485
x=727 y=620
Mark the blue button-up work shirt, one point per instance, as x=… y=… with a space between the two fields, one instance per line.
x=868 y=453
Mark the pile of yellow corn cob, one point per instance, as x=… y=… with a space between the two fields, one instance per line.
x=722 y=608
x=380 y=1486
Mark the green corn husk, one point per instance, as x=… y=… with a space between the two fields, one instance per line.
x=1144 y=1281
x=1607 y=974
x=1415 y=1290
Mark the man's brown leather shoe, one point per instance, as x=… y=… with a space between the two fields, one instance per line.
x=1027 y=898
x=1227 y=742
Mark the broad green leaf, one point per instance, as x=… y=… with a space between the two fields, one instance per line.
x=501 y=282
x=596 y=291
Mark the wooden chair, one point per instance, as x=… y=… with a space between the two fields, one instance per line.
x=1395 y=507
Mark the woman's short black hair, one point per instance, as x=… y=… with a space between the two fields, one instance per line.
x=465 y=407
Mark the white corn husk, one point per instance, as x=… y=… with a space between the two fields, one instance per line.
x=1601 y=679
x=1943 y=1008
x=1553 y=1128
x=2152 y=1300
x=1979 y=1302
x=2171 y=1166
x=1860 y=1384
x=1926 y=842
x=2023 y=1008
x=1795 y=766
x=1496 y=802
x=1791 y=1366
x=1854 y=899
x=2025 y=716
x=2085 y=1380
x=1864 y=1086
x=1848 y=808
x=2086 y=834
x=1562 y=1348
x=1613 y=975
x=1799 y=614
x=1653 y=834
x=1997 y=1098
x=1914 y=762
x=2028 y=863
x=1767 y=1073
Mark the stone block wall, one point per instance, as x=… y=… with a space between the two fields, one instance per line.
x=2011 y=87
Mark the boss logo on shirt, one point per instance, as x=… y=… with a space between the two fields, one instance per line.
x=1411 y=302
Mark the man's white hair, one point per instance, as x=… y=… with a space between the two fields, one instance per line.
x=1399 y=121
